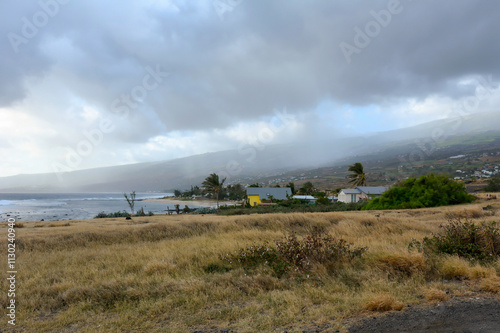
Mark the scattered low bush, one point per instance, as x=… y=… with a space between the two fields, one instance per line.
x=400 y=264
x=205 y=210
x=141 y=212
x=491 y=284
x=383 y=302
x=435 y=295
x=466 y=239
x=296 y=255
x=294 y=206
x=103 y=215
x=454 y=268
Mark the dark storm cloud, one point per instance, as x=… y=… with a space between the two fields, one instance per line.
x=226 y=69
x=263 y=55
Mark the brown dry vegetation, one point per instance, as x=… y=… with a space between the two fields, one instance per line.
x=148 y=274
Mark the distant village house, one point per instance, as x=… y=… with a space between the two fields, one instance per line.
x=361 y=193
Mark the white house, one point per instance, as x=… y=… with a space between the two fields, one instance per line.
x=361 y=193
x=349 y=195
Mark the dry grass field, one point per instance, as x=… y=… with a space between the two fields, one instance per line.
x=150 y=274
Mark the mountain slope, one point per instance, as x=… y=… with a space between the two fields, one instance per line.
x=250 y=162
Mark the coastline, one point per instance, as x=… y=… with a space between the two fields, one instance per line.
x=198 y=203
x=72 y=206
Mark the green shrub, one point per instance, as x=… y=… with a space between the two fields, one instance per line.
x=427 y=191
x=186 y=209
x=205 y=210
x=102 y=215
x=465 y=239
x=296 y=255
x=322 y=200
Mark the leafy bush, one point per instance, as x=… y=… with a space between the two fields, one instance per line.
x=427 y=191
x=186 y=209
x=205 y=210
x=102 y=215
x=465 y=239
x=296 y=255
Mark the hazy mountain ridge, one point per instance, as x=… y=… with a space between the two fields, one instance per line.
x=252 y=162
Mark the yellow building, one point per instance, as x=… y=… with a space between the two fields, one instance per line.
x=256 y=195
x=254 y=200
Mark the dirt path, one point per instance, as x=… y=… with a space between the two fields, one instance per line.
x=458 y=315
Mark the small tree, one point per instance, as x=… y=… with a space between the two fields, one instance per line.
x=130 y=201
x=177 y=193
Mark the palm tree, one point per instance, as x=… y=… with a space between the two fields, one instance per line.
x=358 y=176
x=214 y=185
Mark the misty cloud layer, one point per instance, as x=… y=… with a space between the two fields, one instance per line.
x=173 y=78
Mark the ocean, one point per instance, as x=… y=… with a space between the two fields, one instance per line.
x=73 y=206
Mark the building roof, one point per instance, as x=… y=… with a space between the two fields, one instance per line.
x=351 y=191
x=278 y=193
x=304 y=197
x=377 y=190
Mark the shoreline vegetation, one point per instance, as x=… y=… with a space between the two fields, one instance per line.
x=186 y=273
x=194 y=202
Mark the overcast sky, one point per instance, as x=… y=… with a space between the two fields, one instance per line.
x=98 y=83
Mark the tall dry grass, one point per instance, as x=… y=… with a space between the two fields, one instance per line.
x=149 y=274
